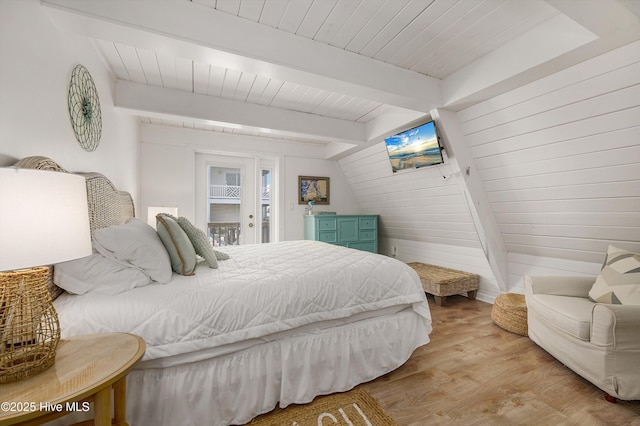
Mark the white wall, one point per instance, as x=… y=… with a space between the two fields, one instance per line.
x=469 y=259
x=423 y=214
x=167 y=171
x=559 y=160
x=342 y=198
x=419 y=204
x=36 y=59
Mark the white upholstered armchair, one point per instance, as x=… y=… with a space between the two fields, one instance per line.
x=598 y=341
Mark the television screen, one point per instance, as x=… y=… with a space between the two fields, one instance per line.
x=417 y=147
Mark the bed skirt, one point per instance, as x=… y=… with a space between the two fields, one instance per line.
x=234 y=388
x=242 y=385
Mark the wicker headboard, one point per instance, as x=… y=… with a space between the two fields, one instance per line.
x=107 y=205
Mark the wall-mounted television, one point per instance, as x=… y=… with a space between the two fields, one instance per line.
x=415 y=148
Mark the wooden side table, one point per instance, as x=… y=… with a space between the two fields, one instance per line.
x=85 y=371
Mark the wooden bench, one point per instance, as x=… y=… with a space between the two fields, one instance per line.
x=442 y=282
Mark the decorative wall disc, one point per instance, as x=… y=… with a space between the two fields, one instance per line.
x=84 y=109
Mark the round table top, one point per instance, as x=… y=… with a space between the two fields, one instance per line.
x=83 y=365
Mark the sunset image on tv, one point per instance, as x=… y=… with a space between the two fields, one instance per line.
x=414 y=148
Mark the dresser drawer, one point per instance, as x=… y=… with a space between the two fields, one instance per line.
x=328 y=236
x=367 y=235
x=328 y=224
x=367 y=223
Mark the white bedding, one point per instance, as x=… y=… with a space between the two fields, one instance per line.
x=261 y=291
x=231 y=343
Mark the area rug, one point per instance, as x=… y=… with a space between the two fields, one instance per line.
x=353 y=408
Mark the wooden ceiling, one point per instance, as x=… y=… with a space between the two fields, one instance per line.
x=337 y=72
x=432 y=37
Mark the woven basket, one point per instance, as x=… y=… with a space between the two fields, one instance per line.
x=29 y=327
x=441 y=281
x=510 y=313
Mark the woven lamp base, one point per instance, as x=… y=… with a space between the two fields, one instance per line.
x=29 y=327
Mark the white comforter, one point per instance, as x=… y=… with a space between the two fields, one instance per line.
x=261 y=290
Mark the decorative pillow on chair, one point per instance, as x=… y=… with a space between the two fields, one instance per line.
x=177 y=243
x=199 y=241
x=619 y=280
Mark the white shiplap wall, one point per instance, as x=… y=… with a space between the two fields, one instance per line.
x=560 y=162
x=421 y=205
x=423 y=214
x=559 y=159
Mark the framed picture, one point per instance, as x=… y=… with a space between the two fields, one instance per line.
x=313 y=188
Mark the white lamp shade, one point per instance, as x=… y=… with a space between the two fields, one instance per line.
x=44 y=218
x=152 y=212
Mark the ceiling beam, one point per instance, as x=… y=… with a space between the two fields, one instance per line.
x=598 y=17
x=142 y=99
x=554 y=37
x=388 y=124
x=206 y=141
x=551 y=47
x=189 y=30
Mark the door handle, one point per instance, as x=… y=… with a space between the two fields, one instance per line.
x=251 y=225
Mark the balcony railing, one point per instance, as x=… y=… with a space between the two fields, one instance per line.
x=228 y=233
x=224 y=191
x=234 y=192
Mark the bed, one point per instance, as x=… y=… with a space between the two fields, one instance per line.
x=274 y=324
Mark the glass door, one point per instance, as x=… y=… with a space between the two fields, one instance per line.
x=226 y=199
x=266 y=228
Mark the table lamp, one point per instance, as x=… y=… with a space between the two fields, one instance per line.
x=152 y=212
x=43 y=220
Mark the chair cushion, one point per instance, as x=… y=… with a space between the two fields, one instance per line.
x=619 y=280
x=569 y=314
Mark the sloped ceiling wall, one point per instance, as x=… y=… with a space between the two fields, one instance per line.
x=559 y=159
x=420 y=204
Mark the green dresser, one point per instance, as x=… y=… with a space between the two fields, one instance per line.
x=354 y=231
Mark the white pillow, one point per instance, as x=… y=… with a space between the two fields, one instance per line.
x=99 y=274
x=135 y=243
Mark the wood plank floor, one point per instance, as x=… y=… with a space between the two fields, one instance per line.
x=475 y=373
